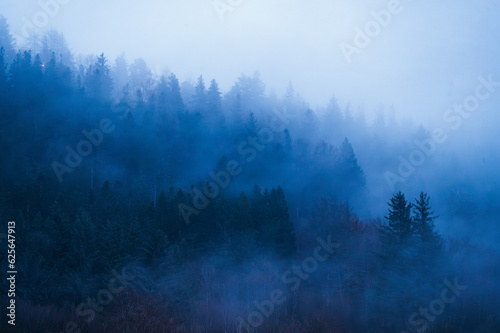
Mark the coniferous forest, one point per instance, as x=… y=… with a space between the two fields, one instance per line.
x=144 y=202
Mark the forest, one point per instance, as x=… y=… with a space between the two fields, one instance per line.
x=144 y=203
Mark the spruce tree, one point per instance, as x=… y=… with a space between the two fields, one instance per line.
x=200 y=96
x=98 y=82
x=6 y=40
x=398 y=260
x=214 y=98
x=350 y=167
x=423 y=218
x=175 y=99
x=399 y=226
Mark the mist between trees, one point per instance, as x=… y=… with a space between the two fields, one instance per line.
x=142 y=147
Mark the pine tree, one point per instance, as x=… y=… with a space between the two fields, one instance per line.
x=98 y=81
x=333 y=116
x=6 y=40
x=389 y=299
x=213 y=99
x=57 y=83
x=120 y=74
x=252 y=91
x=423 y=219
x=175 y=99
x=200 y=96
x=400 y=226
x=140 y=75
x=352 y=171
x=309 y=122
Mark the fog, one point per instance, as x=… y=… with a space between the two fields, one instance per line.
x=250 y=166
x=427 y=57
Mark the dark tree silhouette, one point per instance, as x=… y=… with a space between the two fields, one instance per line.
x=400 y=224
x=423 y=218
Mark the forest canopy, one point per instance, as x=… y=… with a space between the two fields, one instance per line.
x=161 y=205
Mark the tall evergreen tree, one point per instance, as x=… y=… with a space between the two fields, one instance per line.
x=399 y=226
x=423 y=218
x=352 y=171
x=57 y=77
x=333 y=113
x=120 y=74
x=175 y=98
x=140 y=75
x=214 y=98
x=98 y=81
x=6 y=40
x=251 y=90
x=399 y=263
x=200 y=96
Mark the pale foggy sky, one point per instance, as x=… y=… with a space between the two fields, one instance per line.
x=424 y=61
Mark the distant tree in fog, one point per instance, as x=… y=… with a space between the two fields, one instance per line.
x=7 y=41
x=120 y=74
x=98 y=82
x=200 y=96
x=214 y=100
x=53 y=42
